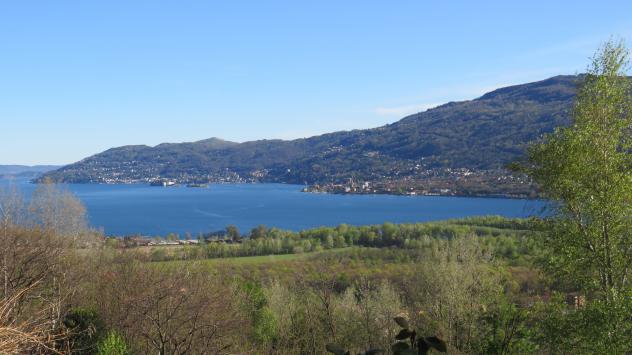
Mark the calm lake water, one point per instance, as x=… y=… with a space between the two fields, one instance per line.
x=129 y=209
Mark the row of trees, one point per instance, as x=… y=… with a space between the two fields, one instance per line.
x=512 y=239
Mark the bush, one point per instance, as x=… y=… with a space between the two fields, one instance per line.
x=113 y=344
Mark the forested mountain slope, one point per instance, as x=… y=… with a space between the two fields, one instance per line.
x=480 y=134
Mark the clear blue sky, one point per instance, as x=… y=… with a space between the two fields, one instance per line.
x=78 y=77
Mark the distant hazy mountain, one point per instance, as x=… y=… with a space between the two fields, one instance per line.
x=484 y=133
x=25 y=170
x=18 y=169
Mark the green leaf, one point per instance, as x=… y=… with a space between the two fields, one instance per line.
x=399 y=347
x=403 y=334
x=402 y=322
x=335 y=349
x=424 y=348
x=374 y=351
x=436 y=343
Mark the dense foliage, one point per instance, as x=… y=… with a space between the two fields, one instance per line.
x=472 y=283
x=68 y=292
x=510 y=238
x=584 y=170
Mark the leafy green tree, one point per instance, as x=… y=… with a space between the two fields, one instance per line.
x=505 y=330
x=258 y=232
x=233 y=232
x=339 y=242
x=113 y=344
x=329 y=242
x=585 y=170
x=263 y=319
x=85 y=328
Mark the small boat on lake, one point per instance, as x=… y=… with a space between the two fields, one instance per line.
x=164 y=183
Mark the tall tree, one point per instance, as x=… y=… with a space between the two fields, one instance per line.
x=57 y=210
x=586 y=172
x=233 y=232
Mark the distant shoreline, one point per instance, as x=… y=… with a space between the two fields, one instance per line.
x=312 y=190
x=498 y=196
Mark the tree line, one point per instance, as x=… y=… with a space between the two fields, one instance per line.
x=514 y=239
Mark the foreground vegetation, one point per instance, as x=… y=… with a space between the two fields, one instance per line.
x=473 y=283
x=76 y=294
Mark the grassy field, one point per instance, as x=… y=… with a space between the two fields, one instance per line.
x=286 y=266
x=248 y=260
x=253 y=260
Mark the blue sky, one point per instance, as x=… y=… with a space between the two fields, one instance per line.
x=79 y=77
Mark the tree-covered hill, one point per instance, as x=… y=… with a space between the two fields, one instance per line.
x=480 y=134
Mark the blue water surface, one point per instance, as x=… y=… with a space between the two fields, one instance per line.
x=147 y=210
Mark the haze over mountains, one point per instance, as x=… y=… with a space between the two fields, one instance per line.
x=481 y=134
x=25 y=170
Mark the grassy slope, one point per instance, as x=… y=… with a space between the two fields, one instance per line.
x=242 y=260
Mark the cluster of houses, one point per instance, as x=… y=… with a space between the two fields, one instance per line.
x=435 y=182
x=147 y=241
x=397 y=187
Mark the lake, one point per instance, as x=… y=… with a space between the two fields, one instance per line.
x=148 y=210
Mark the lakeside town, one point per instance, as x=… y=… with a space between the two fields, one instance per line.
x=405 y=179
x=135 y=241
x=435 y=182
x=439 y=182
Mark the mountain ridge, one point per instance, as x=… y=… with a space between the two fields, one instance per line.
x=480 y=134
